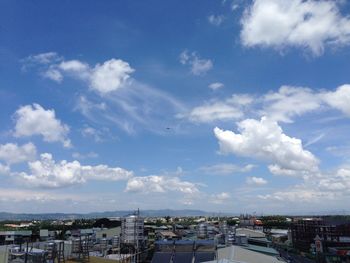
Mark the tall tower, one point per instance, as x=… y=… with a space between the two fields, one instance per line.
x=133 y=230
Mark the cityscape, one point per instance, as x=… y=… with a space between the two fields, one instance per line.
x=152 y=131
x=136 y=238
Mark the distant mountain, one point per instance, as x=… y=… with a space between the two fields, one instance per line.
x=145 y=213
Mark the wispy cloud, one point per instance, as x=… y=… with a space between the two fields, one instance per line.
x=216 y=20
x=199 y=66
x=226 y=169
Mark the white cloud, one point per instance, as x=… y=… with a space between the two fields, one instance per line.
x=88 y=131
x=88 y=155
x=219 y=198
x=53 y=74
x=311 y=24
x=47 y=173
x=160 y=184
x=135 y=105
x=320 y=188
x=110 y=76
x=86 y=107
x=210 y=112
x=230 y=109
x=80 y=69
x=35 y=120
x=4 y=169
x=282 y=105
x=265 y=140
x=289 y=102
x=43 y=58
x=338 y=181
x=256 y=181
x=198 y=65
x=140 y=107
x=12 y=153
x=103 y=78
x=298 y=195
x=278 y=170
x=226 y=169
x=339 y=99
x=216 y=20
x=216 y=85
x=30 y=196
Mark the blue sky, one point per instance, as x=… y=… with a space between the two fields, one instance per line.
x=225 y=106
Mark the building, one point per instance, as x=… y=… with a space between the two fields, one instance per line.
x=132 y=231
x=15 y=237
x=167 y=235
x=240 y=254
x=330 y=234
x=184 y=251
x=107 y=233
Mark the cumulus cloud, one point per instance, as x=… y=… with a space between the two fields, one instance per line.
x=160 y=184
x=219 y=198
x=230 y=109
x=312 y=25
x=199 y=66
x=339 y=99
x=35 y=120
x=216 y=20
x=265 y=140
x=216 y=85
x=47 y=173
x=12 y=153
x=111 y=75
x=226 y=169
x=256 y=181
x=103 y=78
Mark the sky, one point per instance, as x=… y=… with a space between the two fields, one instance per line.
x=237 y=106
